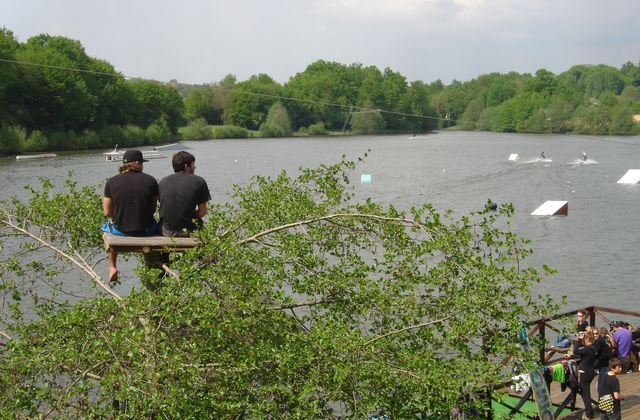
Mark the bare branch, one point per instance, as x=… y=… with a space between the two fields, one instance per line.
x=79 y=263
x=413 y=327
x=302 y=304
x=408 y=222
x=170 y=271
x=233 y=228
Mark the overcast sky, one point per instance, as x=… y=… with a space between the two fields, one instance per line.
x=201 y=41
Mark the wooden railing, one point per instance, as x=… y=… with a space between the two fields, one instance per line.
x=540 y=326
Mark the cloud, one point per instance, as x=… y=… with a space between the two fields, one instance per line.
x=433 y=10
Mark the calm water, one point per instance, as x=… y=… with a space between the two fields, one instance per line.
x=594 y=248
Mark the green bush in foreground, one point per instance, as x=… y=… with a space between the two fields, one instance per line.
x=298 y=303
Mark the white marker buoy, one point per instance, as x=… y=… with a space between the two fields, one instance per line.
x=552 y=208
x=365 y=179
x=631 y=177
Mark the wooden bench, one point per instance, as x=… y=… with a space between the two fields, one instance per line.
x=147 y=244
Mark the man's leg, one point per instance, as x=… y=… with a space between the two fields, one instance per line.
x=113 y=269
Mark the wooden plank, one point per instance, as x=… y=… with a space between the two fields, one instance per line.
x=147 y=243
x=541 y=395
x=629 y=386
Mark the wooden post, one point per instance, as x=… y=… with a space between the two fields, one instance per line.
x=543 y=341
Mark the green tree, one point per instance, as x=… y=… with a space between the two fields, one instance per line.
x=157 y=101
x=544 y=83
x=417 y=102
x=451 y=103
x=298 y=300
x=501 y=90
x=10 y=86
x=367 y=121
x=386 y=91
x=324 y=92
x=58 y=97
x=631 y=74
x=277 y=123
x=513 y=113
x=602 y=78
x=251 y=101
x=622 y=121
x=223 y=97
x=559 y=113
x=471 y=114
x=199 y=104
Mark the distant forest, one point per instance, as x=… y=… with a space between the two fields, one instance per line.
x=53 y=96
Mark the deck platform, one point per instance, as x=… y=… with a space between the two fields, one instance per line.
x=629 y=386
x=147 y=244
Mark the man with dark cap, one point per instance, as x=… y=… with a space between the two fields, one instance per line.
x=183 y=197
x=129 y=202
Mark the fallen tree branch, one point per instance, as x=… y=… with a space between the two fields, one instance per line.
x=401 y=330
x=81 y=264
x=408 y=222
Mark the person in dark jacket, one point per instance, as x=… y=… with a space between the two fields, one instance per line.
x=604 y=352
x=583 y=348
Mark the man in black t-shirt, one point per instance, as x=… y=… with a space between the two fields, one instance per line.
x=183 y=197
x=611 y=385
x=129 y=202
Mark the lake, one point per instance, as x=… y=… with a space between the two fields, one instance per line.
x=594 y=248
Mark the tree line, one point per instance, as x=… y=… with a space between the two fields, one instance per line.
x=53 y=96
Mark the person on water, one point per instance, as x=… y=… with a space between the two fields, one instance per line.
x=129 y=201
x=584 y=156
x=542 y=155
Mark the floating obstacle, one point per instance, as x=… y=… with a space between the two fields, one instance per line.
x=514 y=156
x=40 y=156
x=147 y=244
x=552 y=208
x=631 y=177
x=365 y=179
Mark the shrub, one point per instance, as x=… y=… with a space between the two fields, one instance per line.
x=230 y=132
x=12 y=139
x=195 y=130
x=317 y=129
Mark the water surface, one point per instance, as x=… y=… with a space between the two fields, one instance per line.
x=594 y=248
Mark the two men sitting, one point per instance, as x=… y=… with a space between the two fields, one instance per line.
x=130 y=200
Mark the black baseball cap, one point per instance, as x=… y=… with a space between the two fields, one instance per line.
x=133 y=156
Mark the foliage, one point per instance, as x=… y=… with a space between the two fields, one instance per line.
x=251 y=101
x=70 y=98
x=317 y=130
x=196 y=130
x=277 y=123
x=367 y=121
x=157 y=102
x=231 y=132
x=298 y=301
x=199 y=103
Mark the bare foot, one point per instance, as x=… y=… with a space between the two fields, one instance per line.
x=113 y=276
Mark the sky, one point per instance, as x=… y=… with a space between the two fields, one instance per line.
x=202 y=41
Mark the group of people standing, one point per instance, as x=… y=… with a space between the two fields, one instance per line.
x=604 y=353
x=131 y=197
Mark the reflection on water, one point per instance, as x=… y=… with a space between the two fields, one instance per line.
x=594 y=248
